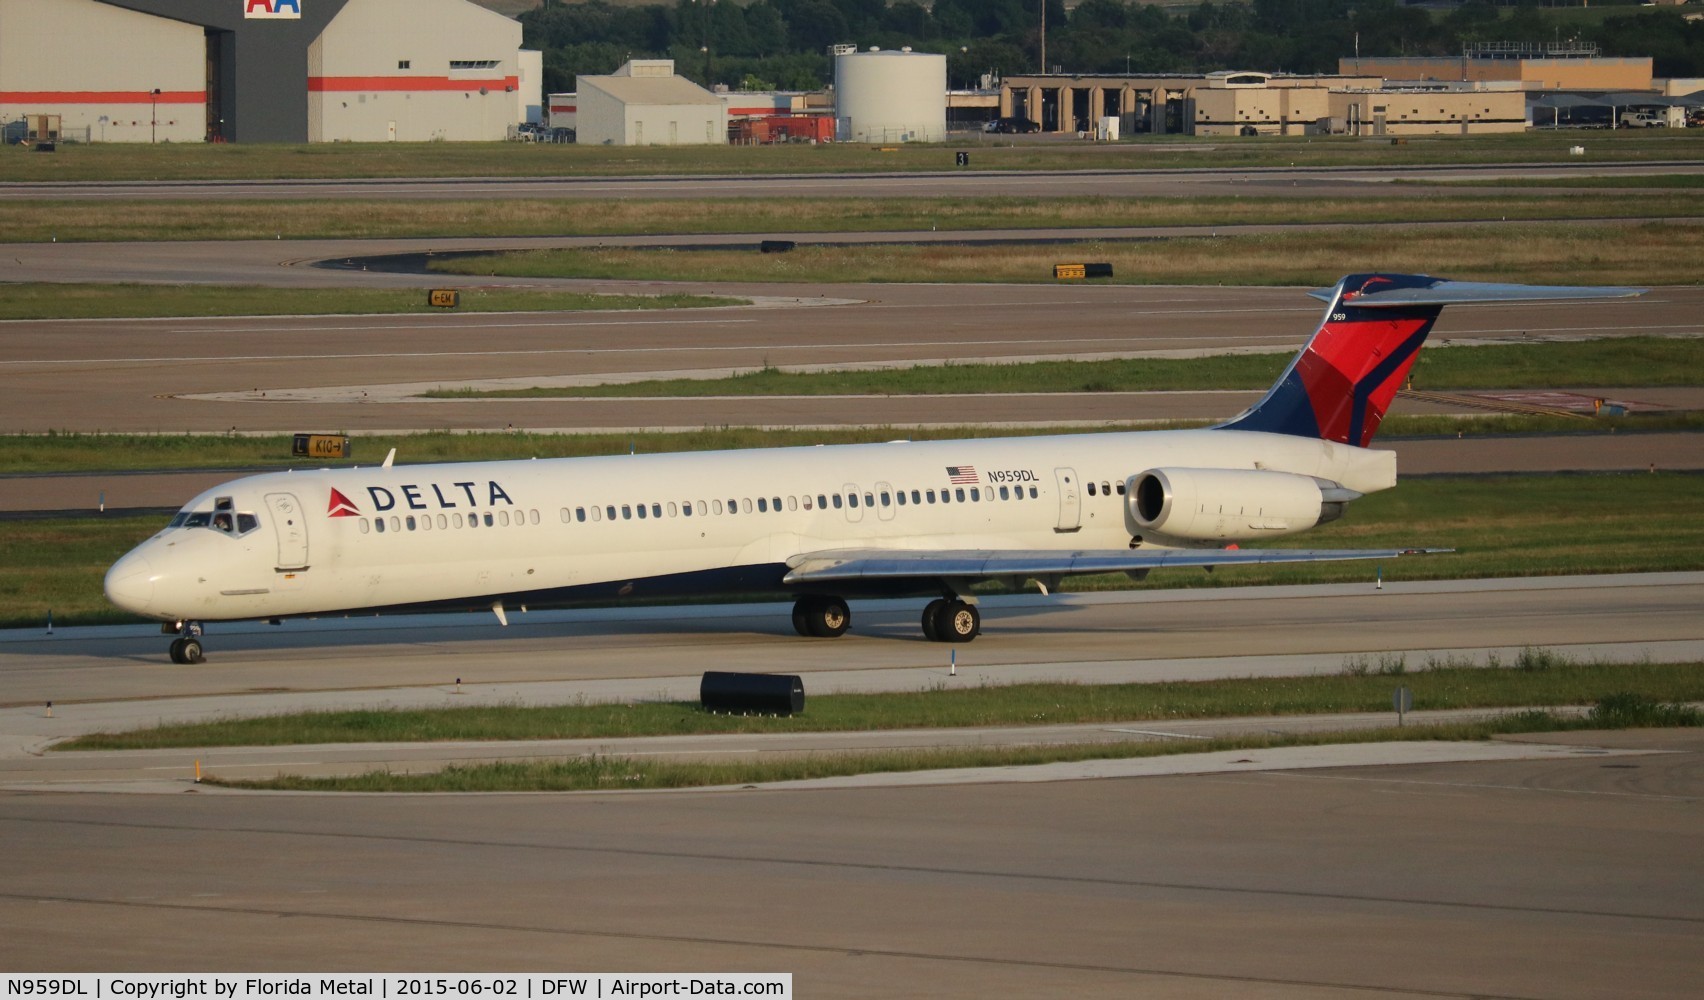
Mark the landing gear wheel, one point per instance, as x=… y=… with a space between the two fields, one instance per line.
x=825 y=617
x=932 y=615
x=801 y=617
x=958 y=622
x=186 y=651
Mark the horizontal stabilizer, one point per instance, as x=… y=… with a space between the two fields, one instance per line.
x=977 y=564
x=1443 y=293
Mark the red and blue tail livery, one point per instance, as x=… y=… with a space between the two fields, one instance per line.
x=1340 y=386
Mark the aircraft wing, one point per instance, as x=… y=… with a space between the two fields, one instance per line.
x=974 y=564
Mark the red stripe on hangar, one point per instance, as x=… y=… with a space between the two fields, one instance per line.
x=355 y=84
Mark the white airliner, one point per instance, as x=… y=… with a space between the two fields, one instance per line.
x=819 y=524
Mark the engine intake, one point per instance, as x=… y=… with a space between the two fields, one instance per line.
x=1228 y=504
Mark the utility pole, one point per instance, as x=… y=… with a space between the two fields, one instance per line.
x=154 y=116
x=1043 y=4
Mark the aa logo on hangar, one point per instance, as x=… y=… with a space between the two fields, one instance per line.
x=272 y=8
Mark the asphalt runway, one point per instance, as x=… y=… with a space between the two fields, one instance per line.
x=300 y=373
x=1136 y=182
x=1560 y=869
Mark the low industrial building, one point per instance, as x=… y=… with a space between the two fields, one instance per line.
x=645 y=104
x=1233 y=103
x=1529 y=66
x=266 y=70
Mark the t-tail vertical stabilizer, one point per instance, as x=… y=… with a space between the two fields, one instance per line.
x=1340 y=386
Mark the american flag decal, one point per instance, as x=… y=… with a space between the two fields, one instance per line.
x=962 y=475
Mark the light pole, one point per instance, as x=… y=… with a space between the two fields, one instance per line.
x=707 y=5
x=154 y=116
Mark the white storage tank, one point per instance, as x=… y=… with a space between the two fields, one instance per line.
x=894 y=96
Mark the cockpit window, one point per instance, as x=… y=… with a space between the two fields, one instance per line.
x=199 y=519
x=247 y=523
x=177 y=522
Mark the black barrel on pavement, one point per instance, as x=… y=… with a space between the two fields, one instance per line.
x=764 y=694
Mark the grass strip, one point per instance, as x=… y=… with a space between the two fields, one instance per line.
x=1538 y=677
x=1613 y=253
x=1503 y=526
x=1622 y=361
x=1636 y=181
x=50 y=300
x=250 y=219
x=607 y=773
x=99 y=161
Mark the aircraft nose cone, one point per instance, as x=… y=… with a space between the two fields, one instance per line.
x=130 y=584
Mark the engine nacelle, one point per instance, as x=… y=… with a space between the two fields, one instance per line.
x=1223 y=504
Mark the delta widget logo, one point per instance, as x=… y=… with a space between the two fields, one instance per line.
x=340 y=506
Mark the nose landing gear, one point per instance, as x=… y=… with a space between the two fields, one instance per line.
x=186 y=648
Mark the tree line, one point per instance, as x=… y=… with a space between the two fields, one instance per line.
x=783 y=44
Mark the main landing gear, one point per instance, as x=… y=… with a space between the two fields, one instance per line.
x=186 y=648
x=944 y=620
x=951 y=621
x=822 y=617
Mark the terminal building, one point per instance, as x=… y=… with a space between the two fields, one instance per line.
x=266 y=70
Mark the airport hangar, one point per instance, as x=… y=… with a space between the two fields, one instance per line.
x=267 y=70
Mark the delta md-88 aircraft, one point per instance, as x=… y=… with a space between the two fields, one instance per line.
x=819 y=524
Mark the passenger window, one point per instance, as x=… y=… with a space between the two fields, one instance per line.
x=597 y=514
x=365 y=527
x=916 y=497
x=473 y=520
x=745 y=505
x=702 y=508
x=899 y=495
x=1106 y=488
x=502 y=518
x=762 y=506
x=627 y=512
x=443 y=522
x=532 y=516
x=641 y=512
x=686 y=509
x=580 y=514
x=1003 y=491
x=396 y=523
x=958 y=494
x=410 y=522
x=1119 y=486
x=887 y=500
x=1032 y=493
x=656 y=510
x=673 y=510
x=775 y=504
x=793 y=503
x=931 y=496
x=869 y=499
x=379 y=525
x=837 y=501
x=852 y=499
x=1091 y=489
x=488 y=519
x=609 y=511
x=717 y=504
x=456 y=520
x=822 y=502
x=974 y=495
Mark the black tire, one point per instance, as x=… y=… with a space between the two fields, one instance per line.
x=829 y=617
x=192 y=651
x=958 y=622
x=177 y=651
x=802 y=616
x=931 y=617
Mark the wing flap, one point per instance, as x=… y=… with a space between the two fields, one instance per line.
x=973 y=564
